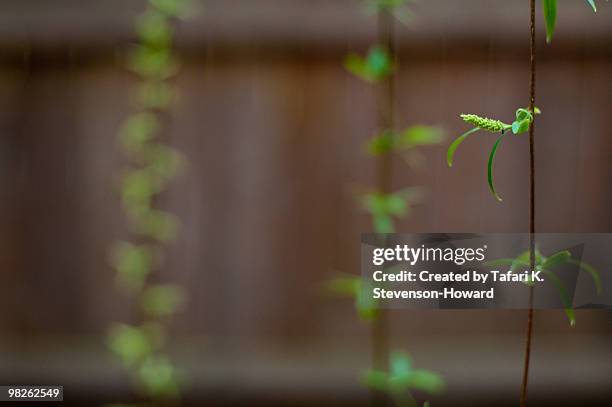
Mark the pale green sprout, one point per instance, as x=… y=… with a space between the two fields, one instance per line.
x=523 y=121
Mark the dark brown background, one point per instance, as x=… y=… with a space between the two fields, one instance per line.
x=274 y=128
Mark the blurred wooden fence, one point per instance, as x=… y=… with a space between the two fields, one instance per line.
x=274 y=129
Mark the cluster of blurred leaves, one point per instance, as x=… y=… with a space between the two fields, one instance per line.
x=384 y=208
x=375 y=66
x=547 y=265
x=402 y=378
x=154 y=165
x=353 y=287
x=140 y=350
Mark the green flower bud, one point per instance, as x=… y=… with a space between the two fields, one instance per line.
x=494 y=126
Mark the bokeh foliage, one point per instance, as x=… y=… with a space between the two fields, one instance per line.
x=385 y=208
x=152 y=166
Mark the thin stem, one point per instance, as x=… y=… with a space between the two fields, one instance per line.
x=523 y=400
x=385 y=101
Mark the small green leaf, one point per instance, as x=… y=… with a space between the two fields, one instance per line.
x=383 y=223
x=157 y=225
x=159 y=377
x=455 y=144
x=550 y=16
x=523 y=114
x=164 y=163
x=591 y=270
x=130 y=343
x=396 y=205
x=356 y=65
x=565 y=298
x=366 y=305
x=344 y=285
x=593 y=5
x=490 y=167
x=162 y=300
x=375 y=66
x=420 y=136
x=379 y=62
x=556 y=259
x=153 y=29
x=154 y=95
x=401 y=363
x=152 y=63
x=382 y=143
x=425 y=381
x=137 y=130
x=376 y=380
x=522 y=126
x=133 y=263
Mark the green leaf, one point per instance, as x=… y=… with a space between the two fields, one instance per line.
x=344 y=285
x=591 y=270
x=137 y=189
x=162 y=300
x=152 y=63
x=137 y=130
x=366 y=305
x=425 y=381
x=490 y=167
x=379 y=62
x=164 y=163
x=567 y=302
x=157 y=225
x=523 y=114
x=396 y=205
x=159 y=377
x=522 y=126
x=375 y=66
x=453 y=147
x=356 y=65
x=376 y=380
x=130 y=343
x=154 y=30
x=593 y=5
x=382 y=143
x=133 y=263
x=401 y=363
x=383 y=223
x=550 y=16
x=154 y=95
x=557 y=259
x=420 y=136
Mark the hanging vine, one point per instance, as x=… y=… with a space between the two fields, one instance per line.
x=525 y=123
x=153 y=164
x=393 y=375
